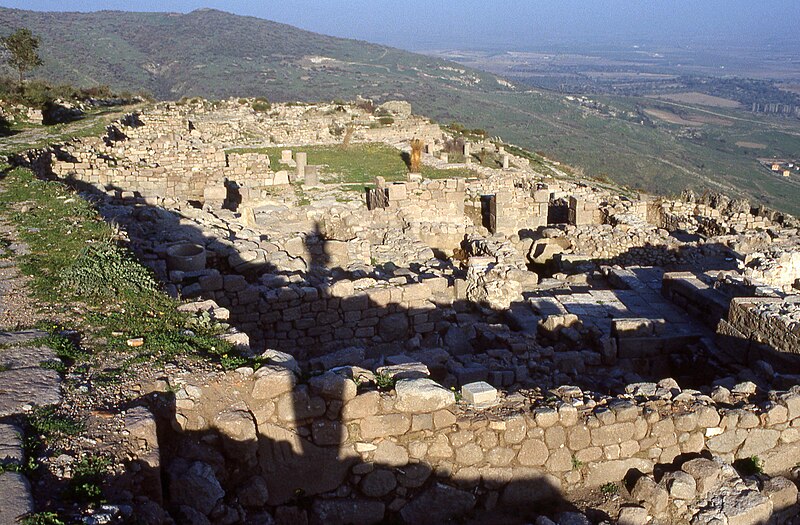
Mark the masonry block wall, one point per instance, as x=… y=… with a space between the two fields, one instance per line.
x=387 y=451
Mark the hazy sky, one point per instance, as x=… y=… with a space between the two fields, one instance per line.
x=417 y=24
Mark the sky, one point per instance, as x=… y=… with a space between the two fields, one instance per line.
x=482 y=24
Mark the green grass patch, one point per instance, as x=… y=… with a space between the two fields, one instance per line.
x=49 y=422
x=358 y=163
x=43 y=518
x=87 y=478
x=74 y=262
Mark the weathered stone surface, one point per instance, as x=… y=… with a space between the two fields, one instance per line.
x=348 y=511
x=705 y=472
x=781 y=458
x=390 y=454
x=650 y=494
x=530 y=486
x=612 y=434
x=194 y=485
x=11 y=444
x=414 y=475
x=393 y=327
x=298 y=405
x=747 y=508
x=383 y=426
x=728 y=441
x=422 y=395
x=254 y=492
x=16 y=501
x=272 y=381
x=378 y=483
x=781 y=492
x=469 y=454
x=680 y=485
x=361 y=406
x=21 y=387
x=438 y=504
x=758 y=440
x=533 y=453
x=238 y=432
x=290 y=463
x=333 y=386
x=614 y=471
x=632 y=516
x=479 y=393
x=278 y=358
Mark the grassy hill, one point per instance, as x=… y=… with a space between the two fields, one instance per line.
x=216 y=55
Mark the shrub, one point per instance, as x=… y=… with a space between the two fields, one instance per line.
x=106 y=269
x=261 y=105
x=47 y=421
x=386 y=121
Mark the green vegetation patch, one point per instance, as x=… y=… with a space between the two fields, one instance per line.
x=75 y=265
x=358 y=163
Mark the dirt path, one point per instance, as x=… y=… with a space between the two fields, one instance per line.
x=17 y=308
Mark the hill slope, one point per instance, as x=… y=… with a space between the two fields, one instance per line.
x=216 y=55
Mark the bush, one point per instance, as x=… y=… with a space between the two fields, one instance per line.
x=105 y=269
x=386 y=121
x=261 y=105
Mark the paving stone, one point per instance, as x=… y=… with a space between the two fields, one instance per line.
x=16 y=500
x=23 y=387
x=11 y=445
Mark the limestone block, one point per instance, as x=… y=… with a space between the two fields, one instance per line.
x=272 y=381
x=334 y=386
x=422 y=395
x=280 y=178
x=649 y=493
x=533 y=453
x=384 y=425
x=614 y=471
x=705 y=472
x=390 y=454
x=782 y=492
x=479 y=393
x=438 y=504
x=357 y=511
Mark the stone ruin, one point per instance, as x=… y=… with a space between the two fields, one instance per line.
x=442 y=347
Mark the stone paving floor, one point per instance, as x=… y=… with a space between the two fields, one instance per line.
x=636 y=293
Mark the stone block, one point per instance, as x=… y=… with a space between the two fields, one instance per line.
x=479 y=393
x=422 y=395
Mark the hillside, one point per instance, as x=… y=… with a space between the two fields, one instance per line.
x=216 y=55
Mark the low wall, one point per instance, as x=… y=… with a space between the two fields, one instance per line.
x=389 y=453
x=764 y=328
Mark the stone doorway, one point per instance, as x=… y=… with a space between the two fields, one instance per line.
x=489 y=212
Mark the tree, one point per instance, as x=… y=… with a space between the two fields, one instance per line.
x=21 y=46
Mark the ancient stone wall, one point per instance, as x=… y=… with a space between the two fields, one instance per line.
x=755 y=322
x=307 y=320
x=432 y=209
x=394 y=452
x=518 y=206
